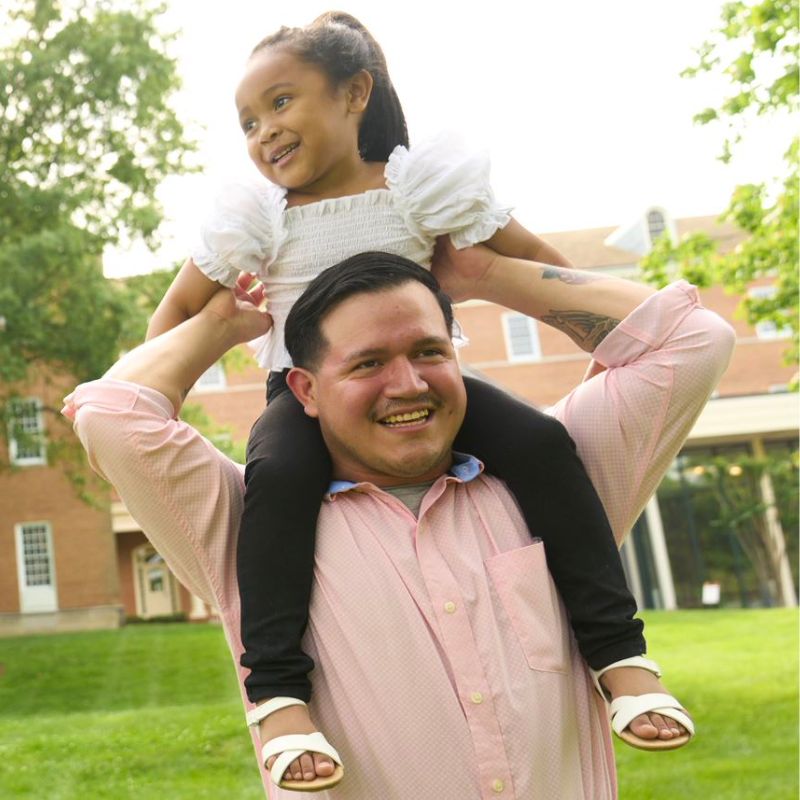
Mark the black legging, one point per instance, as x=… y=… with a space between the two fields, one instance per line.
x=289 y=470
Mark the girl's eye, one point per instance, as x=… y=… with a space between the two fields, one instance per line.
x=248 y=125
x=280 y=102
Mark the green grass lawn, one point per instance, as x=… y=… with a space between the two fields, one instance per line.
x=152 y=712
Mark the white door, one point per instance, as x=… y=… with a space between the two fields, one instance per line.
x=36 y=567
x=155 y=584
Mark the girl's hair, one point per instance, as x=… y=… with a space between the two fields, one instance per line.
x=341 y=46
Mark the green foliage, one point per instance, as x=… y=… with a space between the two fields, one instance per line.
x=755 y=49
x=86 y=135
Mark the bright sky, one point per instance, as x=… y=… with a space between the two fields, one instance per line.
x=579 y=103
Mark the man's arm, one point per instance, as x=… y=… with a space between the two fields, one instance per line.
x=172 y=362
x=662 y=361
x=584 y=305
x=185 y=495
x=664 y=352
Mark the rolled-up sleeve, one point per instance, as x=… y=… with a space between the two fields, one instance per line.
x=629 y=422
x=185 y=495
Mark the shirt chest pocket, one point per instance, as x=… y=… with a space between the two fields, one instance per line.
x=528 y=596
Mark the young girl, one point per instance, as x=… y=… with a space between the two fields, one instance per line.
x=324 y=126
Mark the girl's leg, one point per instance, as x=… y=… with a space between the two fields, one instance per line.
x=288 y=471
x=535 y=456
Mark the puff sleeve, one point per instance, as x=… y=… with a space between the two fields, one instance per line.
x=440 y=187
x=243 y=233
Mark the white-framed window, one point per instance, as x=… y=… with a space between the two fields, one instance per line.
x=522 y=338
x=767 y=329
x=36 y=567
x=26 y=442
x=212 y=380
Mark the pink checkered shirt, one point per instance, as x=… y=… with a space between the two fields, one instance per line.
x=446 y=669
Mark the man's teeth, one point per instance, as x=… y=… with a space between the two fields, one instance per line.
x=409 y=417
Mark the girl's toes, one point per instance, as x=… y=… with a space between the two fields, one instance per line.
x=323 y=765
x=644 y=727
x=666 y=727
x=307 y=767
x=294 y=772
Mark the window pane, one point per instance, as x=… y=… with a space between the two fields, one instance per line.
x=523 y=339
x=25 y=430
x=36 y=556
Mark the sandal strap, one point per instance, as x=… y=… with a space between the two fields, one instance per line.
x=292 y=746
x=626 y=708
x=255 y=715
x=634 y=661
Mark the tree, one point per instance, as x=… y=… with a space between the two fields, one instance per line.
x=755 y=49
x=737 y=487
x=87 y=133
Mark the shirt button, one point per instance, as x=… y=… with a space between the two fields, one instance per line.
x=450 y=607
x=476 y=698
x=497 y=786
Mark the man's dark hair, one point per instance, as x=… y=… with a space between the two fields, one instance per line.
x=363 y=273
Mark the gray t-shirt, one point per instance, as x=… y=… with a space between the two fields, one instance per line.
x=411 y=495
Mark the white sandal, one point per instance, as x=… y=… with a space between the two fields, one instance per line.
x=625 y=709
x=288 y=748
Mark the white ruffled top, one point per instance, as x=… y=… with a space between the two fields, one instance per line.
x=434 y=188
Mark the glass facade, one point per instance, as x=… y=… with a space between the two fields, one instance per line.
x=714 y=514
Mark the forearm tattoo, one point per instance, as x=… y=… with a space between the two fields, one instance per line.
x=587 y=330
x=570 y=276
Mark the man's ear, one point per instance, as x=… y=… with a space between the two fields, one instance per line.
x=359 y=91
x=303 y=385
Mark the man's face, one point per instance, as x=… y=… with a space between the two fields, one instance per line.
x=388 y=392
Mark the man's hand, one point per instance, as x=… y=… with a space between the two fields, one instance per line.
x=462 y=273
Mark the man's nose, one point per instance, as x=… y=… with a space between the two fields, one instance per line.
x=404 y=379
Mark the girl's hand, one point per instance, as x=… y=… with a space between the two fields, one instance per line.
x=241 y=309
x=462 y=273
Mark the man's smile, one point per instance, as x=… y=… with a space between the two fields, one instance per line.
x=407 y=419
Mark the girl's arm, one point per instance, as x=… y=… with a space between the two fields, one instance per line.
x=515 y=241
x=190 y=291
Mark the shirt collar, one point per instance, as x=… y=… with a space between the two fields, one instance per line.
x=465 y=468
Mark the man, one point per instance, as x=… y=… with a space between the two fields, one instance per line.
x=445 y=668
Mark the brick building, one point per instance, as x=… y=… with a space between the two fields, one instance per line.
x=64 y=564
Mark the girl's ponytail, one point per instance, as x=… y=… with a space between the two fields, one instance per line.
x=341 y=46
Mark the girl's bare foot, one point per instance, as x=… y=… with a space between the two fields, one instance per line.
x=291 y=720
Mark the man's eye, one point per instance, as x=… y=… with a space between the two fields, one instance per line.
x=280 y=102
x=430 y=352
x=370 y=364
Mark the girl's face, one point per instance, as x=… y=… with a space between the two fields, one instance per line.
x=301 y=132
